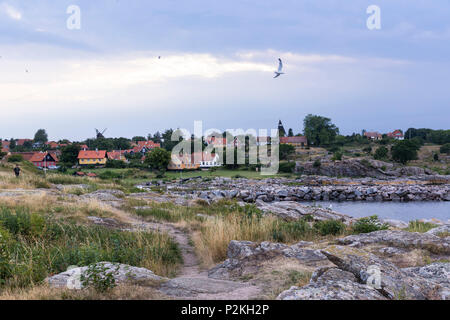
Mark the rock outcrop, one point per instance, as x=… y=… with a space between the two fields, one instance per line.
x=246 y=257
x=400 y=239
x=121 y=273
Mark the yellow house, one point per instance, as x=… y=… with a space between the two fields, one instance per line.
x=182 y=162
x=87 y=157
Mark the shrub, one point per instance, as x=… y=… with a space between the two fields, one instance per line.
x=367 y=149
x=15 y=158
x=327 y=227
x=337 y=156
x=317 y=163
x=381 y=153
x=287 y=167
x=99 y=278
x=369 y=224
x=445 y=148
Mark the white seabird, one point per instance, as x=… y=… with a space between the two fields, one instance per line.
x=280 y=67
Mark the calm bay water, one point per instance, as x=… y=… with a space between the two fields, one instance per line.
x=404 y=211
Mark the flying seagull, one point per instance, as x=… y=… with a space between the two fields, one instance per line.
x=280 y=66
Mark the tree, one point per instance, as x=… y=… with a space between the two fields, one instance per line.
x=281 y=131
x=69 y=154
x=381 y=153
x=158 y=160
x=286 y=150
x=41 y=136
x=138 y=138
x=445 y=148
x=157 y=137
x=319 y=130
x=290 y=132
x=404 y=151
x=12 y=144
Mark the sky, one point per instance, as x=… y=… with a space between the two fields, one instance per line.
x=217 y=63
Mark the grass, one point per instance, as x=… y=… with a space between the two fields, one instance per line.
x=36 y=245
x=214 y=226
x=121 y=292
x=419 y=226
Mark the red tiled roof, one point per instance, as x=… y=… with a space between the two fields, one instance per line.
x=396 y=133
x=25 y=155
x=100 y=154
x=84 y=146
x=372 y=134
x=116 y=155
x=20 y=142
x=40 y=156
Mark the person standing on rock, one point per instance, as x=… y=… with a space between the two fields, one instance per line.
x=17 y=171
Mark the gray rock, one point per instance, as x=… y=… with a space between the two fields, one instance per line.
x=445 y=229
x=395 y=284
x=400 y=239
x=121 y=272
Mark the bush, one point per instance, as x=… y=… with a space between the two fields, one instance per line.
x=369 y=224
x=337 y=156
x=381 y=153
x=115 y=164
x=317 y=163
x=445 y=148
x=404 y=151
x=287 y=167
x=99 y=278
x=367 y=149
x=327 y=227
x=15 y=158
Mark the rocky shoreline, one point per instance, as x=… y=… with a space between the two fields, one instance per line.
x=435 y=188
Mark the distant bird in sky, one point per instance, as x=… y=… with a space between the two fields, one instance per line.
x=280 y=67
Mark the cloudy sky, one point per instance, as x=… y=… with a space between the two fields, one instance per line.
x=217 y=63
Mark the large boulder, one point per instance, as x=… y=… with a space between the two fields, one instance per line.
x=245 y=257
x=332 y=284
x=121 y=273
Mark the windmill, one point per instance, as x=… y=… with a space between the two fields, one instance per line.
x=100 y=134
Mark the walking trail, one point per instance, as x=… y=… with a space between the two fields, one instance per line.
x=193 y=282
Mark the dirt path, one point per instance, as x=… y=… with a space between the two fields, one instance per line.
x=193 y=282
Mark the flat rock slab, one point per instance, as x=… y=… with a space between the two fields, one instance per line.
x=191 y=287
x=400 y=239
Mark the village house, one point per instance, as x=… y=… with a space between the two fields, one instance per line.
x=44 y=160
x=118 y=155
x=207 y=160
x=396 y=134
x=5 y=146
x=297 y=142
x=97 y=157
x=373 y=135
x=142 y=147
x=183 y=162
